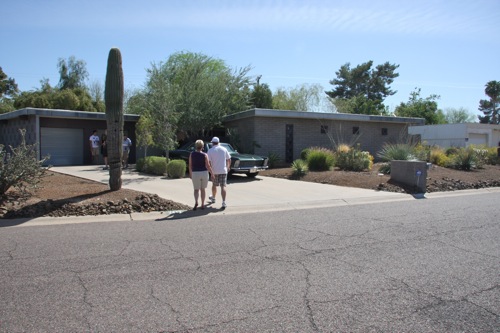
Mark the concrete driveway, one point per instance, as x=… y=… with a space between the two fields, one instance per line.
x=243 y=194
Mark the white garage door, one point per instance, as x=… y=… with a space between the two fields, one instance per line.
x=64 y=145
x=477 y=139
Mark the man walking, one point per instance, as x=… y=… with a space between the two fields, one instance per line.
x=220 y=161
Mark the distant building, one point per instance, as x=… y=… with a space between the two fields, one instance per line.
x=62 y=134
x=458 y=135
x=287 y=133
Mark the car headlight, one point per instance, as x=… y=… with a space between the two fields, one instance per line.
x=236 y=164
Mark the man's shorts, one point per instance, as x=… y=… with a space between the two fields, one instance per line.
x=220 y=180
x=95 y=151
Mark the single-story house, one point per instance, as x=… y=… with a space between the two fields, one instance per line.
x=287 y=133
x=62 y=134
x=458 y=135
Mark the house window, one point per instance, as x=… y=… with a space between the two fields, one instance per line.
x=324 y=129
x=384 y=131
x=355 y=130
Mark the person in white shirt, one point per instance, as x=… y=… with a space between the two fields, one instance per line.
x=220 y=161
x=127 y=143
x=94 y=146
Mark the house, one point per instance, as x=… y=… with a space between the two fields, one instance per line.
x=458 y=135
x=62 y=134
x=287 y=133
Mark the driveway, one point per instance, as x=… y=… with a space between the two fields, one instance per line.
x=243 y=194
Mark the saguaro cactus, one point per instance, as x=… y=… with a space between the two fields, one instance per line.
x=113 y=96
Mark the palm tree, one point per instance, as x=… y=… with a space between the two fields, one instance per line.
x=490 y=108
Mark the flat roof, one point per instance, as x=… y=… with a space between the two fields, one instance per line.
x=69 y=114
x=320 y=115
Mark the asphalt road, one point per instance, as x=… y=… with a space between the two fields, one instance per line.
x=428 y=265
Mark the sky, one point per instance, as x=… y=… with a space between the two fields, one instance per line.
x=449 y=48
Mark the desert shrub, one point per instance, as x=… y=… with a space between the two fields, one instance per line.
x=353 y=159
x=422 y=152
x=342 y=148
x=385 y=168
x=176 y=168
x=451 y=151
x=20 y=168
x=304 y=153
x=464 y=159
x=397 y=151
x=299 y=168
x=274 y=160
x=485 y=155
x=154 y=165
x=438 y=156
x=320 y=159
x=493 y=158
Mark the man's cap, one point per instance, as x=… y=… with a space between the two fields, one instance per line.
x=215 y=139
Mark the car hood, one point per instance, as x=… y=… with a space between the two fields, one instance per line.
x=247 y=157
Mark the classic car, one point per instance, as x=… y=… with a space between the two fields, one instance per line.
x=240 y=163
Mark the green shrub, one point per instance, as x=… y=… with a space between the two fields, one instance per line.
x=304 y=153
x=299 y=168
x=176 y=168
x=385 y=168
x=464 y=159
x=274 y=160
x=139 y=165
x=320 y=159
x=353 y=159
x=154 y=165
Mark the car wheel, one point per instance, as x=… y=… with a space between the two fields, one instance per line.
x=252 y=175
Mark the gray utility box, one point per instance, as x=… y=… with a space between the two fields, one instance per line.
x=412 y=173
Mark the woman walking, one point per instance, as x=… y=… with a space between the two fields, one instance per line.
x=199 y=167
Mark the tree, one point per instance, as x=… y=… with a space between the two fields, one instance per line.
x=144 y=132
x=368 y=87
x=73 y=73
x=419 y=107
x=261 y=96
x=192 y=92
x=113 y=97
x=8 y=89
x=96 y=92
x=491 y=107
x=301 y=98
x=458 y=116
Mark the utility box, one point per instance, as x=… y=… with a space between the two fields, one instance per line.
x=411 y=173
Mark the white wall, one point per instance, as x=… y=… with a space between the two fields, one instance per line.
x=458 y=135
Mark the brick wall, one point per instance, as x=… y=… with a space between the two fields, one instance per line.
x=269 y=134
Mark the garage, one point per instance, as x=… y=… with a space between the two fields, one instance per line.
x=64 y=145
x=478 y=139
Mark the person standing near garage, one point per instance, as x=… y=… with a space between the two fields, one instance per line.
x=94 y=146
x=220 y=161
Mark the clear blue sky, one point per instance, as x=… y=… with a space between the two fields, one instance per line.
x=445 y=47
